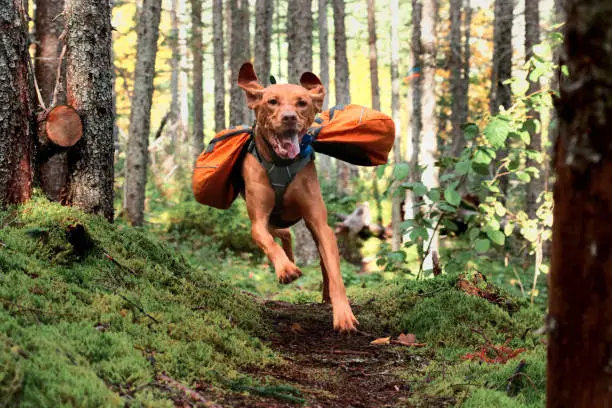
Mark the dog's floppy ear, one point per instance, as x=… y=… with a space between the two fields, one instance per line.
x=247 y=80
x=315 y=88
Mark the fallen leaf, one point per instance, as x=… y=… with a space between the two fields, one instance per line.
x=296 y=328
x=408 y=340
x=382 y=340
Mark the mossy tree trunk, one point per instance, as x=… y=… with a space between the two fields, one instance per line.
x=140 y=115
x=16 y=114
x=580 y=303
x=89 y=88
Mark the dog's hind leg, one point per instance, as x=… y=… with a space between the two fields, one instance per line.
x=286 y=242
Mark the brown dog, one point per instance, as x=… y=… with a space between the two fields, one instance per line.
x=283 y=115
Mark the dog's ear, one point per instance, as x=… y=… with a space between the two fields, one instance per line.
x=315 y=88
x=247 y=80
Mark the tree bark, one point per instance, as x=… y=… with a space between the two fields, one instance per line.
x=219 y=62
x=89 y=85
x=500 y=94
x=532 y=38
x=49 y=24
x=462 y=108
x=264 y=12
x=325 y=162
x=456 y=77
x=140 y=115
x=299 y=39
x=198 y=87
x=344 y=171
x=579 y=319
x=429 y=140
x=239 y=54
x=374 y=85
x=16 y=115
x=396 y=200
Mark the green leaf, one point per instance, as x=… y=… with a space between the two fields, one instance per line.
x=497 y=131
x=401 y=171
x=380 y=171
x=508 y=229
x=404 y=225
x=450 y=225
x=482 y=245
x=463 y=167
x=470 y=131
x=434 y=195
x=497 y=236
x=474 y=233
x=451 y=195
x=523 y=176
x=419 y=189
x=565 y=70
x=500 y=210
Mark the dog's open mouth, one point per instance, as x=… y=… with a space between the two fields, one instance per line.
x=286 y=145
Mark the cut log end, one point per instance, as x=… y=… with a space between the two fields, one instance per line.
x=63 y=126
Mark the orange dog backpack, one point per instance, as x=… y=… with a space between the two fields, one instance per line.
x=350 y=133
x=216 y=176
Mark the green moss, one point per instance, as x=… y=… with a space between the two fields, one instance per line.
x=90 y=319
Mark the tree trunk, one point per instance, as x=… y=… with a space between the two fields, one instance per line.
x=140 y=115
x=239 y=54
x=16 y=116
x=345 y=171
x=374 y=85
x=462 y=107
x=456 y=68
x=198 y=87
x=429 y=140
x=325 y=162
x=49 y=24
x=579 y=319
x=299 y=39
x=396 y=200
x=532 y=37
x=413 y=142
x=89 y=85
x=264 y=12
x=219 y=62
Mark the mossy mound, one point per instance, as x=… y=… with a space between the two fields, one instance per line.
x=92 y=313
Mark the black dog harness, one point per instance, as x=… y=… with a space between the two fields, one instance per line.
x=280 y=174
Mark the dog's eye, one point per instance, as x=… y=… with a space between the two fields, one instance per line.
x=273 y=102
x=302 y=103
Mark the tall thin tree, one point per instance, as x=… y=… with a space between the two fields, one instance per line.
x=580 y=286
x=325 y=162
x=461 y=100
x=429 y=139
x=198 y=87
x=16 y=116
x=397 y=200
x=239 y=53
x=89 y=77
x=264 y=12
x=140 y=115
x=299 y=39
x=532 y=38
x=500 y=94
x=219 y=65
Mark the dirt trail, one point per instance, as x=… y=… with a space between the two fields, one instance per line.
x=331 y=370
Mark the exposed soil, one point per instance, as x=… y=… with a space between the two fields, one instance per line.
x=332 y=370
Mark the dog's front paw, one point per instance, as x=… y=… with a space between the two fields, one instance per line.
x=344 y=320
x=288 y=272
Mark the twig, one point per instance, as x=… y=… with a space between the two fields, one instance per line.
x=32 y=310
x=514 y=375
x=137 y=307
x=58 y=76
x=113 y=260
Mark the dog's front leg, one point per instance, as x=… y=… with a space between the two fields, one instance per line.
x=286 y=271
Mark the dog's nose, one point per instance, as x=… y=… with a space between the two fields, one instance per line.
x=289 y=117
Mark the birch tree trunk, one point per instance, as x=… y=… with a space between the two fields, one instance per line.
x=299 y=39
x=198 y=88
x=264 y=13
x=325 y=162
x=580 y=287
x=219 y=62
x=532 y=38
x=16 y=115
x=140 y=115
x=397 y=200
x=429 y=140
x=89 y=86
x=49 y=24
x=239 y=54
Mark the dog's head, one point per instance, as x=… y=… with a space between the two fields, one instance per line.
x=283 y=112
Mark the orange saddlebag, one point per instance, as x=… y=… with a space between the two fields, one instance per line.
x=354 y=134
x=216 y=177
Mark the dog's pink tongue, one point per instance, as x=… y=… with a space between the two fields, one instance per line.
x=291 y=146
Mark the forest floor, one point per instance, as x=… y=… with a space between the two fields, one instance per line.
x=333 y=370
